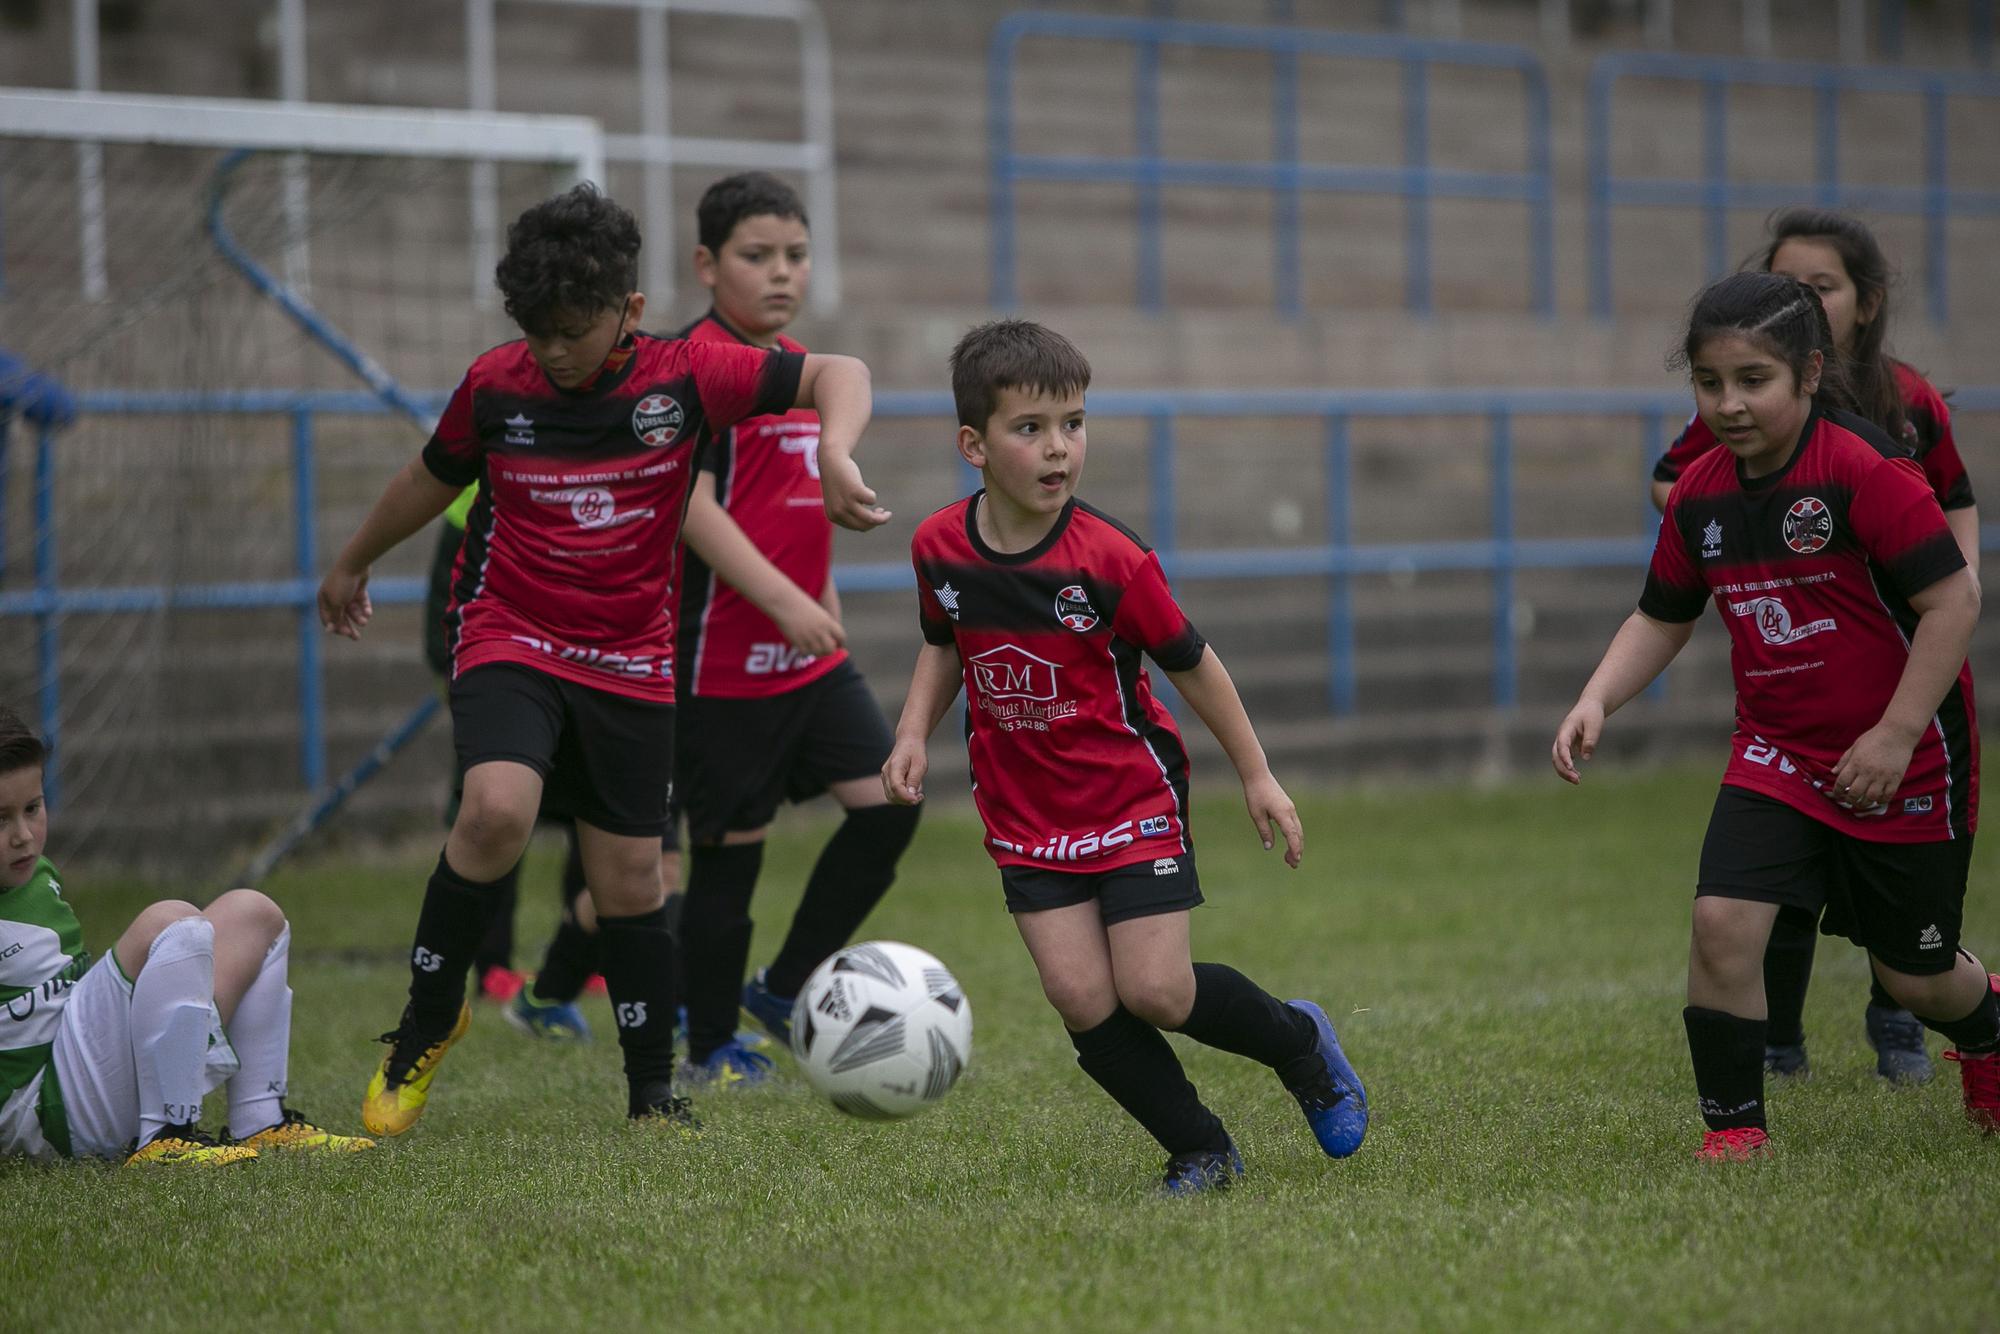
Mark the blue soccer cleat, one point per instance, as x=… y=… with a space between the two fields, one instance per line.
x=772 y=1011
x=556 y=1021
x=730 y=1066
x=1336 y=1107
x=1201 y=1171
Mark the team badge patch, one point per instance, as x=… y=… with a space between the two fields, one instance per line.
x=1073 y=609
x=656 y=420
x=1808 y=525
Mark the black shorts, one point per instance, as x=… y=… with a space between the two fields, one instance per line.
x=1902 y=902
x=738 y=760
x=1143 y=889
x=605 y=759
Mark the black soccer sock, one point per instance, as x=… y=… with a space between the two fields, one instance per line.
x=715 y=934
x=1977 y=1032
x=1233 y=1014
x=496 y=948
x=1788 y=962
x=454 y=917
x=1133 y=1062
x=641 y=963
x=570 y=960
x=574 y=882
x=854 y=870
x=1878 y=995
x=1728 y=1067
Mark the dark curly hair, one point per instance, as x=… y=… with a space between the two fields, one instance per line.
x=20 y=748
x=1779 y=314
x=574 y=254
x=1870 y=370
x=748 y=194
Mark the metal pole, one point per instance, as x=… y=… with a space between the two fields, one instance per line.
x=655 y=114
x=1340 y=594
x=292 y=88
x=89 y=157
x=1504 y=675
x=816 y=73
x=48 y=649
x=1146 y=134
x=1416 y=159
x=312 y=684
x=1757 y=27
x=484 y=183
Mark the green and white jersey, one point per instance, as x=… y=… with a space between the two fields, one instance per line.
x=41 y=958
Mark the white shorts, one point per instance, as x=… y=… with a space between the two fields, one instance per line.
x=95 y=1066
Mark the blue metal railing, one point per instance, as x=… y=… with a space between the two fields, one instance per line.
x=1716 y=194
x=1500 y=552
x=1285 y=176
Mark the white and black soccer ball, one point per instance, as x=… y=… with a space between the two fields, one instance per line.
x=882 y=1029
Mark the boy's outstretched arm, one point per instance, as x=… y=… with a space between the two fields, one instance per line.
x=933 y=686
x=709 y=531
x=1212 y=695
x=1640 y=651
x=412 y=499
x=840 y=391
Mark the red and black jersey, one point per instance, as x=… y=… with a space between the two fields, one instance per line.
x=1812 y=569
x=1926 y=434
x=1075 y=764
x=573 y=547
x=767 y=476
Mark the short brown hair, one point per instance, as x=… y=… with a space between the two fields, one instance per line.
x=1011 y=354
x=19 y=747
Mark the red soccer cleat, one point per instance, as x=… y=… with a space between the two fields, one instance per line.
x=1737 y=1145
x=1979 y=1078
x=500 y=985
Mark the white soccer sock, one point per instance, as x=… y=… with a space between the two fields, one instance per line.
x=261 y=1033
x=172 y=1011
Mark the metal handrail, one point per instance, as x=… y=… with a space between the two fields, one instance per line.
x=1935 y=200
x=1499 y=552
x=1416 y=181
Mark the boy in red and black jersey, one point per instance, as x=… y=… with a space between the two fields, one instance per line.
x=771 y=709
x=1852 y=784
x=1041 y=607
x=582 y=437
x=1838 y=256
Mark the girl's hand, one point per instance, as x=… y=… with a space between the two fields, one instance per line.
x=1273 y=816
x=1576 y=739
x=1873 y=767
x=343 y=602
x=903 y=773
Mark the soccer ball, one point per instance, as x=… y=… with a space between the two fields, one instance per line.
x=882 y=1029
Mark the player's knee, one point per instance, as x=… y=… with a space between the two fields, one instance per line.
x=250 y=910
x=1161 y=1001
x=1082 y=1004
x=1721 y=942
x=494 y=827
x=136 y=944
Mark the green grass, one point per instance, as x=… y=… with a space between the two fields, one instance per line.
x=1505 y=968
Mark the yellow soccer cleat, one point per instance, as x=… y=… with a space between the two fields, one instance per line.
x=397 y=1093
x=295 y=1132
x=190 y=1146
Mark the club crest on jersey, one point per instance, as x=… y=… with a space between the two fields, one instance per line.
x=520 y=430
x=1774 y=621
x=656 y=420
x=1073 y=609
x=1808 y=525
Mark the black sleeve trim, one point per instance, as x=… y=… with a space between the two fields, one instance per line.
x=1664 y=469
x=1958 y=495
x=937 y=633
x=1663 y=602
x=716 y=455
x=1182 y=653
x=778 y=386
x=449 y=470
x=1935 y=558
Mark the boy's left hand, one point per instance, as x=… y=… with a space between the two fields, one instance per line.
x=1272 y=815
x=850 y=502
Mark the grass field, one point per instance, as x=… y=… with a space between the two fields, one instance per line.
x=1505 y=968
